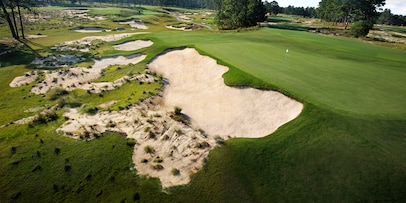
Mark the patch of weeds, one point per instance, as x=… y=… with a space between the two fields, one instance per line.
x=149 y=149
x=202 y=145
x=175 y=172
x=165 y=137
x=71 y=102
x=158 y=159
x=131 y=142
x=151 y=135
x=177 y=110
x=56 y=92
x=111 y=124
x=45 y=117
x=219 y=140
x=89 y=109
x=179 y=132
x=157 y=167
x=147 y=129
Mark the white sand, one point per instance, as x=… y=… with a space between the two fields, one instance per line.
x=178 y=28
x=134 y=45
x=196 y=85
x=27 y=78
x=106 y=38
x=135 y=24
x=91 y=30
x=36 y=36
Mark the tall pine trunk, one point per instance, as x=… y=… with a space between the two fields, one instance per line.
x=15 y=22
x=21 y=21
x=7 y=16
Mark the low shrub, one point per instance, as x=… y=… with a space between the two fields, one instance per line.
x=157 y=167
x=56 y=92
x=131 y=142
x=175 y=172
x=149 y=149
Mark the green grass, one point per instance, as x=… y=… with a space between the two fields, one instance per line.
x=346 y=146
x=80 y=171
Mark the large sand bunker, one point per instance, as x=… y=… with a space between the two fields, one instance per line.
x=196 y=85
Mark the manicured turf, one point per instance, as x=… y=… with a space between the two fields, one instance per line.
x=347 y=145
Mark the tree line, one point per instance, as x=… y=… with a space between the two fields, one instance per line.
x=126 y=3
x=232 y=14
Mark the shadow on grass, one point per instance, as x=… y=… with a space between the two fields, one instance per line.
x=278 y=20
x=16 y=55
x=290 y=27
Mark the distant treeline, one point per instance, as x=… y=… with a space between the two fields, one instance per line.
x=133 y=3
x=388 y=18
x=328 y=10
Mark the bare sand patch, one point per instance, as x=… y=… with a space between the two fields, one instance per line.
x=135 y=24
x=27 y=78
x=134 y=45
x=106 y=38
x=36 y=36
x=91 y=30
x=172 y=149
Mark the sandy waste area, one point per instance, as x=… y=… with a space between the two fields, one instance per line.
x=173 y=146
x=106 y=38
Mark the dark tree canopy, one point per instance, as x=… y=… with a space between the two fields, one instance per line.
x=362 y=13
x=232 y=14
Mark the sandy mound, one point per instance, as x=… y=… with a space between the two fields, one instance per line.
x=134 y=45
x=172 y=147
x=135 y=24
x=178 y=28
x=196 y=85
